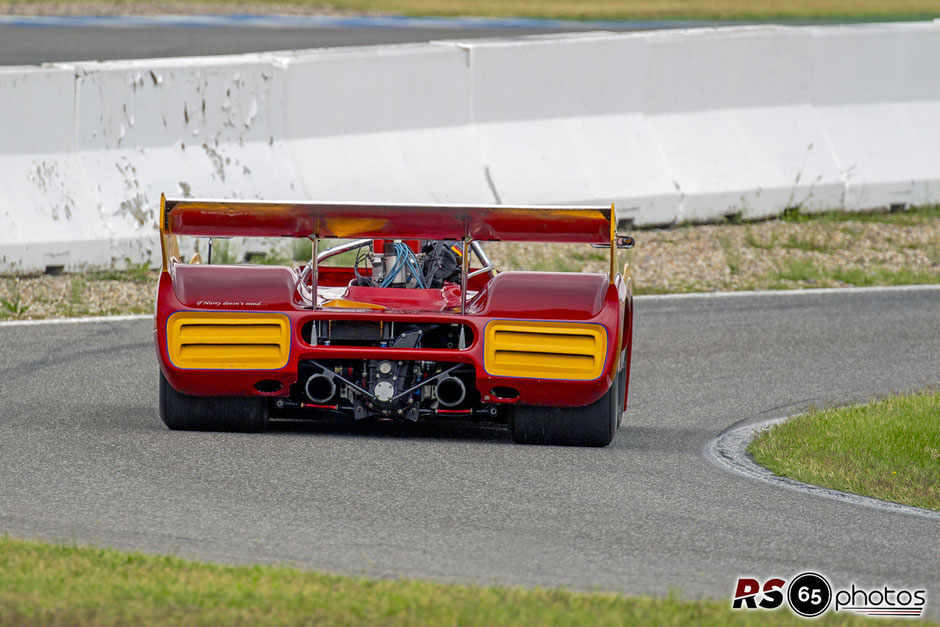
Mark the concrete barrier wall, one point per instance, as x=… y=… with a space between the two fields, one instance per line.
x=882 y=123
x=672 y=126
x=385 y=123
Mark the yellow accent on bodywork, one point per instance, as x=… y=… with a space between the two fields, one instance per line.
x=534 y=349
x=162 y=227
x=351 y=304
x=352 y=227
x=613 y=243
x=613 y=274
x=228 y=341
x=169 y=246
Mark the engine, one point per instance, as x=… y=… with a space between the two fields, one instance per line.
x=399 y=266
x=391 y=389
x=385 y=388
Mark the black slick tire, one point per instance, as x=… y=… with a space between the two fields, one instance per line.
x=591 y=425
x=181 y=412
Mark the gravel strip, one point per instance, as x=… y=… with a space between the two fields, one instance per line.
x=767 y=255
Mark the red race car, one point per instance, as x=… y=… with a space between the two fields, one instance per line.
x=411 y=330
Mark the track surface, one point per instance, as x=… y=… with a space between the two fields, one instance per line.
x=28 y=41
x=84 y=457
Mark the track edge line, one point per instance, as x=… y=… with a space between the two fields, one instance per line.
x=794 y=292
x=84 y=319
x=729 y=450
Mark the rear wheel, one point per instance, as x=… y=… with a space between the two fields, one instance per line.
x=591 y=425
x=211 y=413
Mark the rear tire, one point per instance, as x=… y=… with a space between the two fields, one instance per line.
x=181 y=412
x=591 y=425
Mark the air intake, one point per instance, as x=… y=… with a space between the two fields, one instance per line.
x=545 y=350
x=228 y=341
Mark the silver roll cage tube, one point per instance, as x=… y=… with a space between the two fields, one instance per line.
x=310 y=293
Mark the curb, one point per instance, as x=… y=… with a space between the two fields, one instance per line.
x=729 y=450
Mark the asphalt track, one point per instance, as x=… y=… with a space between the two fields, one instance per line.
x=84 y=457
x=35 y=40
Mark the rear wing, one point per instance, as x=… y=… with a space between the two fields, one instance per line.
x=314 y=220
x=239 y=218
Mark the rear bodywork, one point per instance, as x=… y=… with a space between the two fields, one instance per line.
x=329 y=340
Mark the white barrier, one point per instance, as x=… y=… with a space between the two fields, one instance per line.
x=735 y=120
x=878 y=99
x=672 y=126
x=387 y=123
x=556 y=129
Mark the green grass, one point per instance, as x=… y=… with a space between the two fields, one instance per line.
x=795 y=269
x=618 y=9
x=861 y=277
x=811 y=243
x=43 y=583
x=134 y=272
x=590 y=254
x=732 y=258
x=221 y=254
x=77 y=287
x=806 y=271
x=301 y=249
x=888 y=449
x=266 y=259
x=754 y=241
x=76 y=305
x=681 y=288
x=905 y=217
x=14 y=306
x=933 y=253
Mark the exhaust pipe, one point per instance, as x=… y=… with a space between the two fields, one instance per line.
x=450 y=391
x=320 y=388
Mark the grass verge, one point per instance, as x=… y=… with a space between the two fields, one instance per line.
x=795 y=251
x=905 y=217
x=888 y=449
x=564 y=9
x=60 y=584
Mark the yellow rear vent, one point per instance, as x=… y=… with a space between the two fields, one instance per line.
x=228 y=341
x=545 y=350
